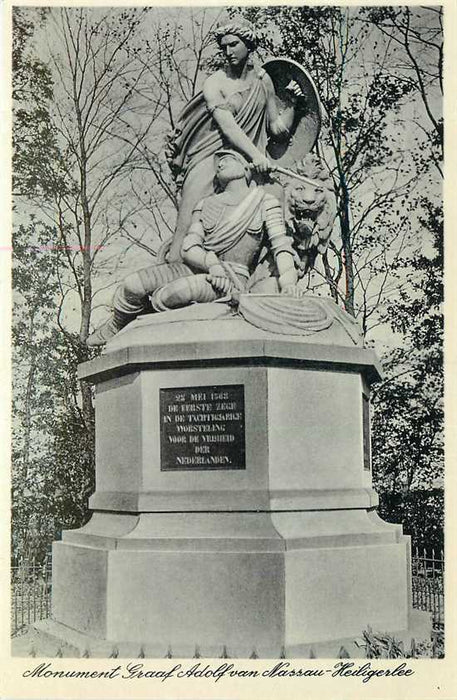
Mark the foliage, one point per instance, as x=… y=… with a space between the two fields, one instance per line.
x=408 y=418
x=49 y=432
x=33 y=137
x=378 y=645
x=420 y=512
x=34 y=286
x=418 y=32
x=44 y=374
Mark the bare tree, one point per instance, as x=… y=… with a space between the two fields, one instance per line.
x=417 y=34
x=98 y=83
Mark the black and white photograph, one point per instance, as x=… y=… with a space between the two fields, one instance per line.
x=227 y=351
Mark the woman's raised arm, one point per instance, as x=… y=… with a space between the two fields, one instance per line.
x=226 y=122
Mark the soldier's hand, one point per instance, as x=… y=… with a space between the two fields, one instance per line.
x=220 y=283
x=301 y=269
x=292 y=290
x=216 y=271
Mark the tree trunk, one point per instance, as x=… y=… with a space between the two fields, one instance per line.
x=347 y=247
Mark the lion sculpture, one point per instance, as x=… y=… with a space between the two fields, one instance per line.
x=310 y=210
x=309 y=213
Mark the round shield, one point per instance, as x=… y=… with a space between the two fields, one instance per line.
x=294 y=87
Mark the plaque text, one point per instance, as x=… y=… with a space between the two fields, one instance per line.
x=202 y=428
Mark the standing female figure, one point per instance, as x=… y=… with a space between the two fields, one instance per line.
x=236 y=109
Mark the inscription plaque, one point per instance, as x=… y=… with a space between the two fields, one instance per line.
x=202 y=428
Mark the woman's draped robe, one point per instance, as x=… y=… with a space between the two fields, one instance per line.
x=197 y=138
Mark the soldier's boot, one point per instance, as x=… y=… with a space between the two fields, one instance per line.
x=118 y=320
x=131 y=298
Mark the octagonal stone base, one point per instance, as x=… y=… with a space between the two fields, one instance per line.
x=278 y=551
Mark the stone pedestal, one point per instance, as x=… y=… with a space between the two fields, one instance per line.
x=265 y=538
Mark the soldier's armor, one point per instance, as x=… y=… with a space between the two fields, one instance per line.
x=235 y=233
x=266 y=221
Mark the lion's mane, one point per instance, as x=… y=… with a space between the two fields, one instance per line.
x=310 y=212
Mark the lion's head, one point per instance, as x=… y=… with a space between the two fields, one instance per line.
x=310 y=209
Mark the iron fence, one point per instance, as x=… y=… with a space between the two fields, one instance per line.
x=428 y=583
x=31 y=589
x=30 y=593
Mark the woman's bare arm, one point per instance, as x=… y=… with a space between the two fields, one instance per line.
x=279 y=123
x=227 y=124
